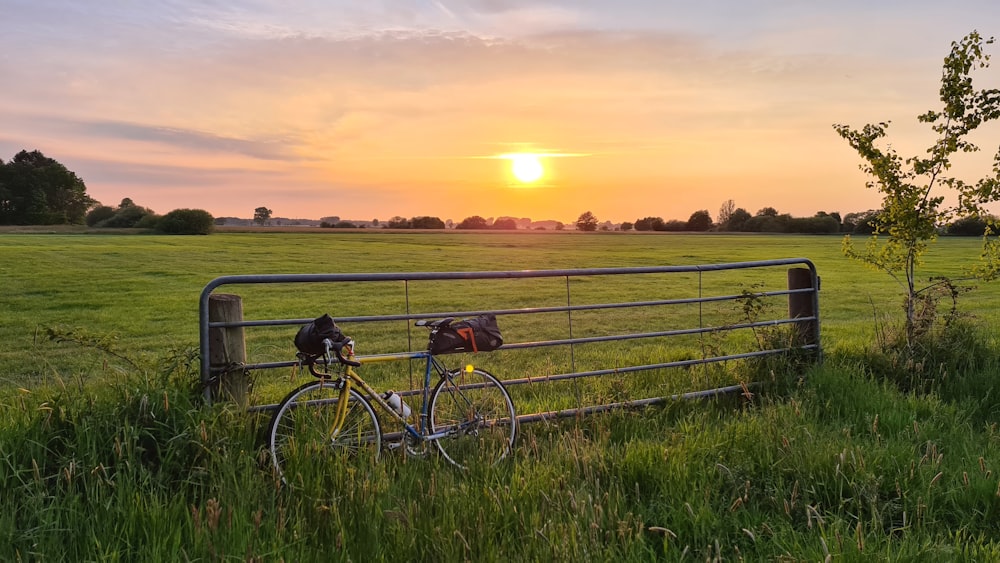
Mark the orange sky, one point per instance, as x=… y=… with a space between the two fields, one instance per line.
x=342 y=108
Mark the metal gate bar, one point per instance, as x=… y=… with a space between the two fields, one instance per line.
x=812 y=343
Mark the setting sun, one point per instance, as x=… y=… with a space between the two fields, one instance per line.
x=526 y=167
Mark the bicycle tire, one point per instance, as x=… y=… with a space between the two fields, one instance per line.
x=300 y=433
x=479 y=414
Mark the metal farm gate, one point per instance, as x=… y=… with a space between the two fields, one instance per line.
x=690 y=304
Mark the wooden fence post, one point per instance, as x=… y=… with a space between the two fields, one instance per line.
x=227 y=348
x=802 y=304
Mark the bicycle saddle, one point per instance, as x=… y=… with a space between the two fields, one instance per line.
x=435 y=323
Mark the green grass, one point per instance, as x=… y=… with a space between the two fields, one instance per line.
x=143 y=290
x=106 y=460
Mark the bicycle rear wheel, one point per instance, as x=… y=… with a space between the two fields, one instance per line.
x=477 y=413
x=303 y=430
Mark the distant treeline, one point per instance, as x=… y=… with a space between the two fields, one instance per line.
x=38 y=190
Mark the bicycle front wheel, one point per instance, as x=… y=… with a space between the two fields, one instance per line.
x=477 y=415
x=304 y=436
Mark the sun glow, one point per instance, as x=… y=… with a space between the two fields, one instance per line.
x=526 y=167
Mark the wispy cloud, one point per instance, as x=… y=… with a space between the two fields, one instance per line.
x=184 y=139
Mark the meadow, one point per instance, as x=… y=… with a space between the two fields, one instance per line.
x=109 y=453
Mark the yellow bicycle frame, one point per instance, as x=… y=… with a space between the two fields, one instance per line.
x=351 y=376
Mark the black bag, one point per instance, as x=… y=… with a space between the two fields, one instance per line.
x=479 y=334
x=309 y=339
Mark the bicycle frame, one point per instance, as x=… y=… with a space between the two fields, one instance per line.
x=351 y=377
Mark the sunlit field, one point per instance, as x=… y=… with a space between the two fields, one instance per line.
x=143 y=291
x=109 y=453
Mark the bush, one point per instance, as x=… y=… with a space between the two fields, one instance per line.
x=968 y=227
x=187 y=222
x=150 y=222
x=99 y=214
x=767 y=224
x=126 y=217
x=813 y=225
x=674 y=226
x=649 y=224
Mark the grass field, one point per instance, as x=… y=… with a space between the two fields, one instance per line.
x=112 y=459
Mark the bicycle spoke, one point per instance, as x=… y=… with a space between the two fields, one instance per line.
x=305 y=436
x=477 y=415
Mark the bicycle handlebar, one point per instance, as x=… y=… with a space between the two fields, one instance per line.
x=337 y=347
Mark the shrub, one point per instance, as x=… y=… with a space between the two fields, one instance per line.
x=973 y=226
x=649 y=224
x=98 y=214
x=126 y=217
x=151 y=222
x=673 y=225
x=187 y=222
x=813 y=225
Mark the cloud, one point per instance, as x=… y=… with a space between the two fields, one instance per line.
x=112 y=171
x=194 y=141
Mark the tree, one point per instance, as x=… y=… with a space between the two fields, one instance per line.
x=426 y=223
x=504 y=224
x=262 y=216
x=737 y=219
x=767 y=212
x=37 y=190
x=861 y=222
x=99 y=214
x=474 y=222
x=626 y=226
x=586 y=222
x=767 y=223
x=398 y=222
x=699 y=221
x=726 y=211
x=912 y=205
x=649 y=224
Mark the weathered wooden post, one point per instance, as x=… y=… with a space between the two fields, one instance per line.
x=227 y=348
x=802 y=305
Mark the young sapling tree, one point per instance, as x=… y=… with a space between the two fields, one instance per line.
x=914 y=202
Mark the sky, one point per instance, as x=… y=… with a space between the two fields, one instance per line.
x=375 y=109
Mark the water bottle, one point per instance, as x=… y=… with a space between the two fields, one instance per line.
x=397 y=404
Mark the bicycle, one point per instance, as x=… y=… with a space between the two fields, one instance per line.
x=468 y=415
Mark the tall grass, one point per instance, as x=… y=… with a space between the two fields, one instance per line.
x=844 y=467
